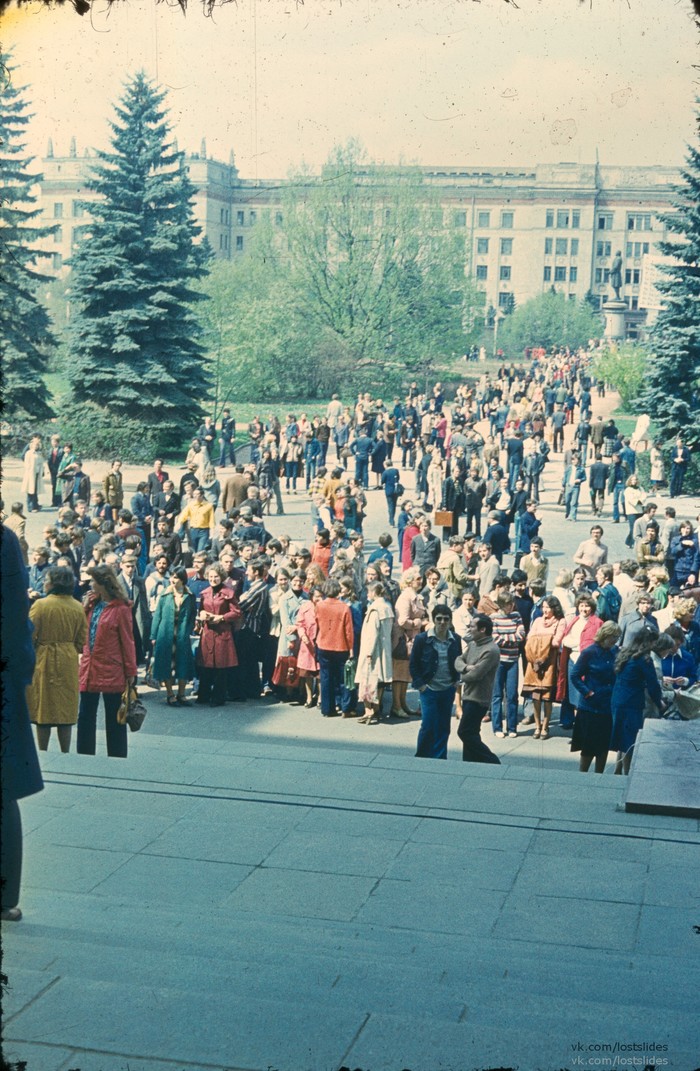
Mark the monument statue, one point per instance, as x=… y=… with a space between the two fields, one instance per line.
x=616 y=274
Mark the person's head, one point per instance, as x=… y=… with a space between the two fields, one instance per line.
x=484 y=551
x=371 y=574
x=163 y=526
x=425 y=526
x=297 y=581
x=178 y=579
x=641 y=581
x=482 y=626
x=199 y=562
x=585 y=605
x=245 y=552
x=684 y=610
x=504 y=601
x=686 y=529
x=608 y=634
x=604 y=574
x=385 y=540
x=374 y=591
x=551 y=607
x=596 y=533
x=103 y=581
x=645 y=603
x=677 y=635
x=331 y=588
x=564 y=578
x=412 y=578
x=40 y=555
x=536 y=545
x=442 y=618
x=502 y=582
x=384 y=566
x=59 y=580
x=468 y=598
x=128 y=566
x=216 y=574
x=161 y=564
x=116 y=464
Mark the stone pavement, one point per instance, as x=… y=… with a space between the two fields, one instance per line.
x=306 y=905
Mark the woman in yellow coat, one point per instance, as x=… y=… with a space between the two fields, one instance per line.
x=60 y=631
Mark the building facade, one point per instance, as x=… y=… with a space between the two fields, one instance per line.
x=525 y=230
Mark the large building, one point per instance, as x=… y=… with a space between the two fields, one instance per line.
x=525 y=229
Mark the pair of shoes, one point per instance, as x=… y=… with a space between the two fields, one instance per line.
x=499 y=734
x=398 y=714
x=267 y=690
x=11 y=914
x=410 y=713
x=537 y=734
x=544 y=735
x=311 y=704
x=511 y=735
x=181 y=700
x=485 y=719
x=349 y=713
x=364 y=720
x=170 y=700
x=374 y=720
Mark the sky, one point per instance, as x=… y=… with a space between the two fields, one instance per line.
x=436 y=82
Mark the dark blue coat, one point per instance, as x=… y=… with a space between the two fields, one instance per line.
x=632 y=683
x=21 y=775
x=424 y=658
x=594 y=676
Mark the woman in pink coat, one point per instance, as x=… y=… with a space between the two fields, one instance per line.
x=108 y=662
x=307 y=630
x=218 y=613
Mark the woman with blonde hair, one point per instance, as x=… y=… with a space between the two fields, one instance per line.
x=411 y=617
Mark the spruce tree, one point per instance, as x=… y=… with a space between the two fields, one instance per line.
x=136 y=356
x=26 y=341
x=672 y=383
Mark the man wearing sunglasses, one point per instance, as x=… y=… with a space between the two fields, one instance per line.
x=433 y=673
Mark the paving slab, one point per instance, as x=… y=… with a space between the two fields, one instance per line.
x=665 y=773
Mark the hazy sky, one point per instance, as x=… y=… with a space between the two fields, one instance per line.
x=449 y=82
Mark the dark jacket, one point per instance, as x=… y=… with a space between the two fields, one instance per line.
x=21 y=775
x=424 y=658
x=425 y=552
x=594 y=676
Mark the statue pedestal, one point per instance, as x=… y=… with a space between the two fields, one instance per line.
x=615 y=320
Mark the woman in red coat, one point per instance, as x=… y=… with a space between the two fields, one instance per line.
x=217 y=651
x=108 y=662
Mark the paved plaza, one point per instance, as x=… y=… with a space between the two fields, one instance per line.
x=257 y=887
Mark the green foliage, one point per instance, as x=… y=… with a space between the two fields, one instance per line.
x=134 y=335
x=623 y=369
x=26 y=340
x=354 y=283
x=671 y=392
x=548 y=320
x=95 y=434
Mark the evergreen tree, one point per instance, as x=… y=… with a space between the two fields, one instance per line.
x=136 y=355
x=672 y=381
x=26 y=340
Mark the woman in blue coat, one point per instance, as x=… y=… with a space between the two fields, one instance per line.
x=635 y=677
x=684 y=553
x=593 y=676
x=171 y=631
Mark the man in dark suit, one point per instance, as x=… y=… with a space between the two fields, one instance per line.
x=157 y=479
x=166 y=503
x=135 y=590
x=425 y=547
x=53 y=461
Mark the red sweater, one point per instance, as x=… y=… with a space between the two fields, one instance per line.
x=334 y=626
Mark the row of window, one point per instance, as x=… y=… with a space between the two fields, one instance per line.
x=559 y=274
x=561 y=246
x=505 y=245
x=482 y=272
x=632 y=249
x=636 y=221
x=77 y=210
x=563 y=218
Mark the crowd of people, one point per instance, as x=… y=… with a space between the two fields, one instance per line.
x=186 y=586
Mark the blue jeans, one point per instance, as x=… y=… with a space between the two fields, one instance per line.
x=362 y=470
x=330 y=666
x=227 y=449
x=618 y=496
x=571 y=496
x=198 y=539
x=506 y=680
x=291 y=472
x=436 y=711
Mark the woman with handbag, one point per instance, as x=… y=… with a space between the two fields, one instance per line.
x=173 y=624
x=286 y=674
x=411 y=617
x=374 y=664
x=542 y=652
x=108 y=662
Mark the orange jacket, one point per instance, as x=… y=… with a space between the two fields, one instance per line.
x=334 y=626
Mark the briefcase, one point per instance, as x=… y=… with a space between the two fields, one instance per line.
x=443 y=518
